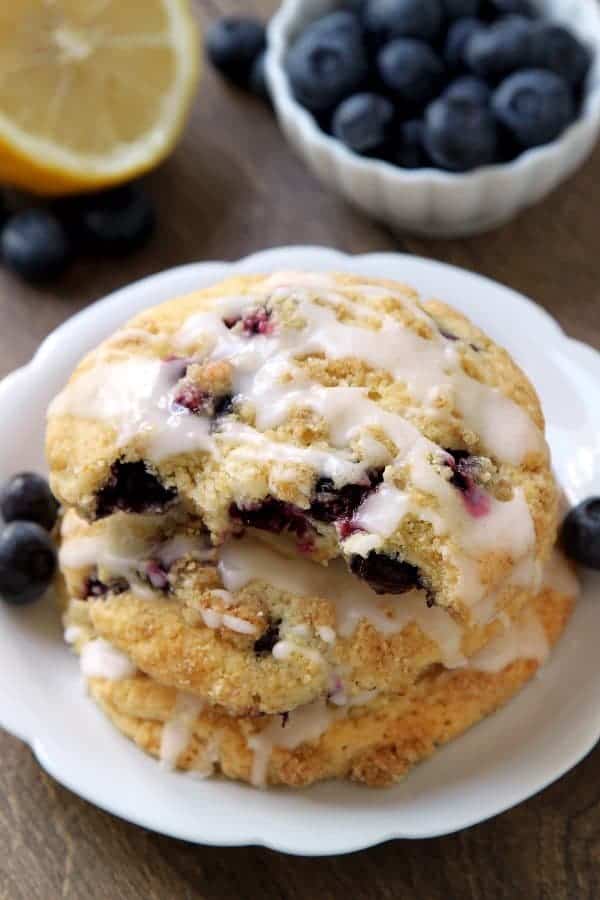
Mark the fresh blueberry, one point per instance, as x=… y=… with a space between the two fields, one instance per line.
x=409 y=151
x=458 y=9
x=556 y=49
x=496 y=8
x=534 y=106
x=505 y=46
x=28 y=497
x=258 y=78
x=468 y=86
x=459 y=134
x=459 y=34
x=233 y=44
x=116 y=221
x=27 y=562
x=363 y=121
x=580 y=533
x=385 y=20
x=411 y=71
x=35 y=245
x=327 y=62
x=385 y=574
x=132 y=488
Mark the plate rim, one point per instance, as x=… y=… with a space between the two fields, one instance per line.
x=583 y=354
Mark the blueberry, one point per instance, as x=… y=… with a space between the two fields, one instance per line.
x=363 y=121
x=500 y=49
x=497 y=8
x=331 y=504
x=268 y=638
x=459 y=34
x=470 y=87
x=385 y=574
x=388 y=19
x=556 y=49
x=411 y=71
x=233 y=44
x=327 y=62
x=580 y=533
x=458 y=9
x=116 y=221
x=132 y=488
x=409 y=151
x=258 y=78
x=460 y=134
x=257 y=321
x=27 y=562
x=274 y=516
x=535 y=106
x=35 y=245
x=27 y=496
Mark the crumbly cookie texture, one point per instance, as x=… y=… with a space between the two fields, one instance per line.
x=251 y=626
x=375 y=743
x=342 y=412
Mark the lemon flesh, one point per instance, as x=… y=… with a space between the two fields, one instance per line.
x=92 y=92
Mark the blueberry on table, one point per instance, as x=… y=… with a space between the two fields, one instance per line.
x=233 y=44
x=534 y=106
x=470 y=87
x=258 y=78
x=327 y=62
x=35 y=245
x=460 y=134
x=363 y=122
x=409 y=151
x=496 y=8
x=116 y=221
x=459 y=34
x=556 y=49
x=27 y=496
x=458 y=9
x=388 y=19
x=580 y=533
x=500 y=49
x=411 y=71
x=27 y=562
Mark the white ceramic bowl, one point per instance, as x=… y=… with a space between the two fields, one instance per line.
x=429 y=201
x=505 y=759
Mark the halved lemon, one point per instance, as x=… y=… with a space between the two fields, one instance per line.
x=92 y=92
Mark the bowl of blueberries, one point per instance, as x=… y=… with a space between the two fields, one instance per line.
x=438 y=117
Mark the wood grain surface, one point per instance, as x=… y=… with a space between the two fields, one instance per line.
x=233 y=187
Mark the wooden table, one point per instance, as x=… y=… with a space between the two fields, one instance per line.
x=231 y=188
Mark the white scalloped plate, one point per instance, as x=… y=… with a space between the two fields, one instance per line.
x=518 y=751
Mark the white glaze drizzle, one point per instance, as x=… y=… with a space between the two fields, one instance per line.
x=307 y=723
x=177 y=731
x=99 y=659
x=73 y=633
x=525 y=639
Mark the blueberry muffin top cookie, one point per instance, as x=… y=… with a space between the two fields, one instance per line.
x=374 y=739
x=341 y=413
x=249 y=626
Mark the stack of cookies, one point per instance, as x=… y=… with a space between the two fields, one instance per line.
x=308 y=531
